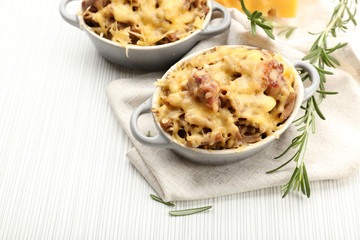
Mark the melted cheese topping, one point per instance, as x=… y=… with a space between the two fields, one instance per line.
x=226 y=98
x=144 y=22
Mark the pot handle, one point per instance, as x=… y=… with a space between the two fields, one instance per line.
x=209 y=30
x=69 y=18
x=157 y=141
x=314 y=76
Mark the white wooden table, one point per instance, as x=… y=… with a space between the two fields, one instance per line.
x=63 y=173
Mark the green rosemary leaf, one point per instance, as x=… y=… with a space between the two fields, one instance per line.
x=263 y=25
x=324 y=44
x=246 y=11
x=269 y=33
x=300 y=118
x=318 y=109
x=296 y=144
x=189 y=211
x=301 y=129
x=313 y=129
x=310 y=55
x=287 y=149
x=300 y=122
x=282 y=31
x=148 y=134
x=302 y=148
x=253 y=28
x=303 y=187
x=253 y=15
x=333 y=32
x=334 y=60
x=327 y=93
x=156 y=198
x=287 y=30
x=307 y=76
x=290 y=184
x=307 y=184
x=290 y=31
x=338 y=46
x=311 y=33
x=325 y=58
x=351 y=15
x=316 y=43
x=296 y=139
x=284 y=164
x=336 y=9
x=353 y=18
x=258 y=15
x=323 y=71
x=316 y=57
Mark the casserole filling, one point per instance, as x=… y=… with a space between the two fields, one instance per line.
x=226 y=98
x=144 y=22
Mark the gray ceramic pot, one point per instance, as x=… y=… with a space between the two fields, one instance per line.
x=216 y=157
x=149 y=57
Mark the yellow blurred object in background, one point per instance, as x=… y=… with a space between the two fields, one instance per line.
x=275 y=8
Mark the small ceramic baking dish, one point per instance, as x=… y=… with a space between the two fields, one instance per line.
x=149 y=57
x=205 y=156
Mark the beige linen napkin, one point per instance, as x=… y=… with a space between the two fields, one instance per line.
x=332 y=153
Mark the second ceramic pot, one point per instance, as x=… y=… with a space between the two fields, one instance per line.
x=149 y=57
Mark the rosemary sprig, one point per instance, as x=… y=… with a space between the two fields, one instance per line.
x=158 y=199
x=320 y=56
x=257 y=19
x=189 y=211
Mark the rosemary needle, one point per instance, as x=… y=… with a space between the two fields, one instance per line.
x=190 y=211
x=156 y=198
x=287 y=30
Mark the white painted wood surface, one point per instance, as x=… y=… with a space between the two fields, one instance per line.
x=63 y=174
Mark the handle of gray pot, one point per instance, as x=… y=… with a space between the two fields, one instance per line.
x=157 y=141
x=314 y=76
x=69 y=18
x=209 y=30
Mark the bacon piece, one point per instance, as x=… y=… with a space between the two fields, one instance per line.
x=188 y=3
x=90 y=21
x=289 y=107
x=172 y=37
x=205 y=10
x=251 y=138
x=121 y=25
x=247 y=134
x=270 y=76
x=167 y=124
x=196 y=4
x=169 y=38
x=201 y=85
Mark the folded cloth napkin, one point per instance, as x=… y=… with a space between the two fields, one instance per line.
x=332 y=153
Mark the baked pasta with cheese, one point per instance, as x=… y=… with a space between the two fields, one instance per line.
x=144 y=22
x=226 y=98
